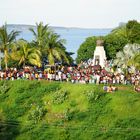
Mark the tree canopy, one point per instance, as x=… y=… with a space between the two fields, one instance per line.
x=6 y=40
x=47 y=46
x=129 y=57
x=113 y=42
x=50 y=45
x=86 y=49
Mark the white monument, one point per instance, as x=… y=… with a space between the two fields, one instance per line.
x=99 y=54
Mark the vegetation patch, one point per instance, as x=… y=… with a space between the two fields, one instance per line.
x=4 y=87
x=59 y=96
x=50 y=110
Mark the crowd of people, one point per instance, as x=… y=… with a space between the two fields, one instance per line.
x=83 y=73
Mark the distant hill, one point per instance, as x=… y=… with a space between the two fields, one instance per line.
x=54 y=27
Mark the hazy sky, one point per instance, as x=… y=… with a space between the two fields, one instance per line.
x=70 y=13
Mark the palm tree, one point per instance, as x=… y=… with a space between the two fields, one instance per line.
x=124 y=58
x=135 y=61
x=25 y=54
x=55 y=50
x=6 y=39
x=49 y=43
x=40 y=34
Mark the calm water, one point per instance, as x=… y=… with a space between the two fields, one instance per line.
x=74 y=36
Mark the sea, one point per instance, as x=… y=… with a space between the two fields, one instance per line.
x=74 y=36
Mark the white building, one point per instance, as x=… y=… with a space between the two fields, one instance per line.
x=99 y=54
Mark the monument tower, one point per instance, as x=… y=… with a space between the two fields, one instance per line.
x=99 y=54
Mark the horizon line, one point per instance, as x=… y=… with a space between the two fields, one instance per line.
x=70 y=27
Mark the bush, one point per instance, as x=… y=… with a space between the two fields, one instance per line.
x=127 y=129
x=68 y=115
x=14 y=111
x=37 y=114
x=73 y=103
x=60 y=96
x=33 y=85
x=93 y=95
x=4 y=87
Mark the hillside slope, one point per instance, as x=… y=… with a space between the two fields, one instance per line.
x=49 y=111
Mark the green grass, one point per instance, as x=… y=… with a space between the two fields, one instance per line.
x=44 y=110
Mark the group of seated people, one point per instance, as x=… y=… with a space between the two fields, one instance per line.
x=110 y=88
x=137 y=88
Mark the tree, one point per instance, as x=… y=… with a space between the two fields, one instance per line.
x=41 y=34
x=6 y=40
x=120 y=36
x=124 y=58
x=135 y=61
x=129 y=31
x=49 y=43
x=86 y=50
x=25 y=54
x=55 y=50
x=133 y=31
x=113 y=43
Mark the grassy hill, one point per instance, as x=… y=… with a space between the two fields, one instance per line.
x=32 y=110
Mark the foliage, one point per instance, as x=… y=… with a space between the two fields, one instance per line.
x=68 y=114
x=25 y=54
x=6 y=40
x=50 y=44
x=83 y=115
x=133 y=31
x=135 y=61
x=40 y=35
x=129 y=126
x=120 y=36
x=8 y=130
x=47 y=47
x=55 y=50
x=113 y=42
x=124 y=59
x=24 y=96
x=59 y=97
x=73 y=103
x=93 y=95
x=37 y=113
x=4 y=87
x=86 y=49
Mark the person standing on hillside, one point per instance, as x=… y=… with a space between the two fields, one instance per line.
x=97 y=79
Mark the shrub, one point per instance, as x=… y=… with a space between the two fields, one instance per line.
x=37 y=114
x=127 y=129
x=9 y=130
x=33 y=85
x=20 y=89
x=60 y=96
x=80 y=116
x=93 y=95
x=3 y=97
x=4 y=87
x=68 y=115
x=14 y=111
x=64 y=134
x=73 y=103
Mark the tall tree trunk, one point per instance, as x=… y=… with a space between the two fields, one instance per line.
x=5 y=59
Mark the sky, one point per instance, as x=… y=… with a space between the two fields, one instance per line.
x=69 y=13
